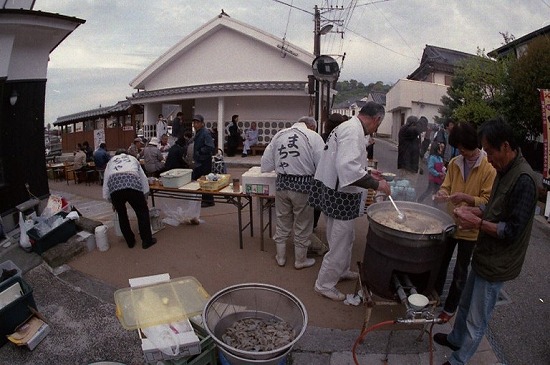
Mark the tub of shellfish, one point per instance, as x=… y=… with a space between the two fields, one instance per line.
x=255 y=323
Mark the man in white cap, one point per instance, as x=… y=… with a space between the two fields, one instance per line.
x=154 y=160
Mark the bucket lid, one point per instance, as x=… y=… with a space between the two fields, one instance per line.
x=160 y=303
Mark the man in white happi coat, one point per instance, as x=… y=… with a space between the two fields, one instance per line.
x=339 y=190
x=294 y=153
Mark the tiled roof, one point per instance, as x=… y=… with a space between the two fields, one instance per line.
x=438 y=59
x=221 y=88
x=98 y=112
x=378 y=97
x=505 y=49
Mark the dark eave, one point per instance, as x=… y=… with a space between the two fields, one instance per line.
x=505 y=49
x=120 y=107
x=221 y=88
x=438 y=59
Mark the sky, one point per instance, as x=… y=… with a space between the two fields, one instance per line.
x=383 y=40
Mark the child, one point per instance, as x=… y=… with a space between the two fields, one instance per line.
x=436 y=169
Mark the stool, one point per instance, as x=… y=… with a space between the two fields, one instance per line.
x=90 y=176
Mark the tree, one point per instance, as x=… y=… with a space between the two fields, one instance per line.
x=530 y=73
x=478 y=90
x=356 y=90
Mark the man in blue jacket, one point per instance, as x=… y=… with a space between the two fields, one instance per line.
x=203 y=150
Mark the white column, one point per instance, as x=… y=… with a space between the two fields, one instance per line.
x=221 y=131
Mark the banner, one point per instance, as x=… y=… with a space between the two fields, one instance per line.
x=545 y=105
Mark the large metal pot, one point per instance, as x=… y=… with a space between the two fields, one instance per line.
x=410 y=239
x=390 y=251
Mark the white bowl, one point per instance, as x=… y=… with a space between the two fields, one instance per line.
x=418 y=301
x=388 y=176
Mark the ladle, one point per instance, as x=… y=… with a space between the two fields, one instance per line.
x=400 y=216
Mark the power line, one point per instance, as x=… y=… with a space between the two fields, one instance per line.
x=353 y=5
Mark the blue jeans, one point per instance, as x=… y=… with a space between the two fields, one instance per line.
x=474 y=312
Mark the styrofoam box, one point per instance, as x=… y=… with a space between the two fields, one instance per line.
x=260 y=183
x=189 y=344
x=176 y=178
x=188 y=341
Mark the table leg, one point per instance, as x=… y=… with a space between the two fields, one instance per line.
x=262 y=224
x=240 y=210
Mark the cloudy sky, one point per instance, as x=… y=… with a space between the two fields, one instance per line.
x=383 y=39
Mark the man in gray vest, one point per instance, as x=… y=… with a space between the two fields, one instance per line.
x=504 y=231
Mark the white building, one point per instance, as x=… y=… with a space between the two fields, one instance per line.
x=420 y=94
x=227 y=67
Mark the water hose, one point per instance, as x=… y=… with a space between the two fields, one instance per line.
x=364 y=333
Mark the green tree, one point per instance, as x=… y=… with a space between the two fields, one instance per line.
x=478 y=90
x=530 y=73
x=356 y=90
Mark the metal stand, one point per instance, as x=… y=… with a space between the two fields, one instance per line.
x=372 y=300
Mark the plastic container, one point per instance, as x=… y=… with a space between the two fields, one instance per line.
x=101 y=238
x=176 y=178
x=160 y=303
x=9 y=265
x=57 y=235
x=222 y=182
x=16 y=312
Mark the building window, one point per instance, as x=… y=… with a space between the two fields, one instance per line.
x=448 y=80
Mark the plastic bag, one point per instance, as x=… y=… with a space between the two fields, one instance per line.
x=218 y=164
x=24 y=240
x=188 y=212
x=164 y=338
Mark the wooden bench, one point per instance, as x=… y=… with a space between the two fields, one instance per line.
x=258 y=148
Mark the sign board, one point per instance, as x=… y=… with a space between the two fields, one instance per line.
x=99 y=137
x=325 y=68
x=545 y=106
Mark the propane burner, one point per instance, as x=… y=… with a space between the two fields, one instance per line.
x=385 y=258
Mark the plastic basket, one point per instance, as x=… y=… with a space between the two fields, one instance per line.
x=222 y=182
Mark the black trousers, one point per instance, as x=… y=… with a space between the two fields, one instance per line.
x=204 y=168
x=137 y=201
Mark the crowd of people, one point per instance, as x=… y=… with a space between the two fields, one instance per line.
x=477 y=175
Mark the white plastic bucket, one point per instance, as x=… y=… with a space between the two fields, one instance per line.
x=101 y=238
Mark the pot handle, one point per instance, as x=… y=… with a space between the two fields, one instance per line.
x=448 y=231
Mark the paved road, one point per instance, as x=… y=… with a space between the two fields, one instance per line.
x=519 y=331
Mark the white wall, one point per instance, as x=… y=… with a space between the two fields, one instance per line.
x=212 y=62
x=413 y=98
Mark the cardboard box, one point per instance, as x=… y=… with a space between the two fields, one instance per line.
x=31 y=333
x=259 y=183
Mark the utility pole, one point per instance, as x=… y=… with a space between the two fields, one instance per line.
x=317 y=52
x=318 y=32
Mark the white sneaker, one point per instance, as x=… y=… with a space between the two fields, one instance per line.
x=350 y=275
x=332 y=293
